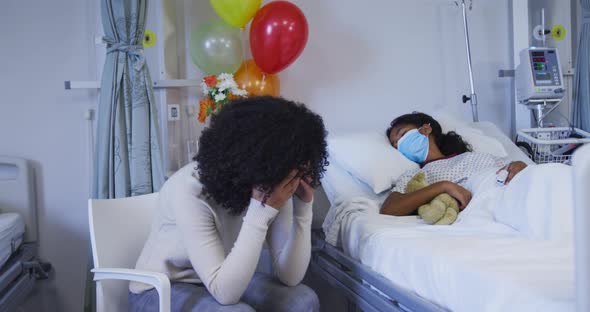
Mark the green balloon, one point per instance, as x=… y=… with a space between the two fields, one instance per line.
x=216 y=48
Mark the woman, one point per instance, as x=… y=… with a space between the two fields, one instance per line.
x=215 y=214
x=446 y=160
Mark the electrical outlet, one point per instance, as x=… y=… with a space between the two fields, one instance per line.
x=173 y=112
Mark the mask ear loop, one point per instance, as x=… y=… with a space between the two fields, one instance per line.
x=428 y=124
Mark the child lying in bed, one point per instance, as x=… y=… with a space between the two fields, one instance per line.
x=446 y=159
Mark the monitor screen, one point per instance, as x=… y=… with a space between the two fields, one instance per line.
x=545 y=66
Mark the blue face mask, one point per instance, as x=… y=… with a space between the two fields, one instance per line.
x=414 y=145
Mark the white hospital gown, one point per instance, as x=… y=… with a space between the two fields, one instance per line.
x=456 y=169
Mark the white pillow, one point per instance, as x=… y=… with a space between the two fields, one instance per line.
x=449 y=122
x=480 y=142
x=370 y=157
x=340 y=185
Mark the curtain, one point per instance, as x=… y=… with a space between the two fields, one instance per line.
x=581 y=102
x=128 y=151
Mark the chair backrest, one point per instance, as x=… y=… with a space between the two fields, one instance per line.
x=118 y=231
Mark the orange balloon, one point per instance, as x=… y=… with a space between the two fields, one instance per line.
x=250 y=78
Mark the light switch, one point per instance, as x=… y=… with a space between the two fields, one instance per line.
x=173 y=112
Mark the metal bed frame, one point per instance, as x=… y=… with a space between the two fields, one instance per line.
x=363 y=287
x=23 y=268
x=19 y=275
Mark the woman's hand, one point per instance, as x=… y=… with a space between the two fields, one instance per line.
x=513 y=169
x=304 y=191
x=281 y=193
x=459 y=193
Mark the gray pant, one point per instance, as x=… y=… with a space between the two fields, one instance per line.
x=264 y=293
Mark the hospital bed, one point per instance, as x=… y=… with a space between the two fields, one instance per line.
x=382 y=264
x=19 y=266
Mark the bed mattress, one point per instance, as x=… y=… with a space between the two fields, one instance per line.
x=12 y=229
x=487 y=267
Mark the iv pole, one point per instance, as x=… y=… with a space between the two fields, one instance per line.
x=473 y=97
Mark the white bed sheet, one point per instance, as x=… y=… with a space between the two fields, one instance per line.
x=483 y=268
x=12 y=229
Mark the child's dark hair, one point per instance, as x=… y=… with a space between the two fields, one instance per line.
x=449 y=143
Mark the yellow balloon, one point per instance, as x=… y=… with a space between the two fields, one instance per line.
x=236 y=12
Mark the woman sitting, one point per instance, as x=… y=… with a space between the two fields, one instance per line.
x=446 y=160
x=216 y=213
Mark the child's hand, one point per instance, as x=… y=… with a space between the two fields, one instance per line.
x=513 y=169
x=459 y=193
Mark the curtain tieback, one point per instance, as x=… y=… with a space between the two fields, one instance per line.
x=586 y=17
x=132 y=50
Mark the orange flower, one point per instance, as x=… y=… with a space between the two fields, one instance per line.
x=206 y=107
x=210 y=81
x=203 y=108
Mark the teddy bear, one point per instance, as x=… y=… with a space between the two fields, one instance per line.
x=442 y=210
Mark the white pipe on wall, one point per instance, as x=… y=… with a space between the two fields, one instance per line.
x=520 y=41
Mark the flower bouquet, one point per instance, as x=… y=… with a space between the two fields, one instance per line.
x=218 y=90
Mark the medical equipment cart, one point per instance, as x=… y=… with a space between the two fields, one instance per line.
x=551 y=145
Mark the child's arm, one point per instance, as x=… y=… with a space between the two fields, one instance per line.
x=398 y=204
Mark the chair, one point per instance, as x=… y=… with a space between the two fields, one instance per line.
x=118 y=231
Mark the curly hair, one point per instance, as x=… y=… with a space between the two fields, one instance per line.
x=257 y=142
x=449 y=143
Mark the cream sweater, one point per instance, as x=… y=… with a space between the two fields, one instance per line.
x=194 y=240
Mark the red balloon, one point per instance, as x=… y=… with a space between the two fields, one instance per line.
x=278 y=35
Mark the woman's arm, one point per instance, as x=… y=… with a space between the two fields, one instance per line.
x=289 y=239
x=226 y=277
x=398 y=204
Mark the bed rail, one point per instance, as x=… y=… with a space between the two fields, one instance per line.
x=581 y=170
x=19 y=275
x=17 y=192
x=364 y=287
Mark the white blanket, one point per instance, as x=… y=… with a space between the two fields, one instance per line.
x=336 y=215
x=510 y=250
x=539 y=202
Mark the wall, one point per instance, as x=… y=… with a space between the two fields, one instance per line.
x=43 y=44
x=387 y=58
x=367 y=62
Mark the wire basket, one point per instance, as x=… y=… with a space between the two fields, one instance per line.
x=551 y=145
